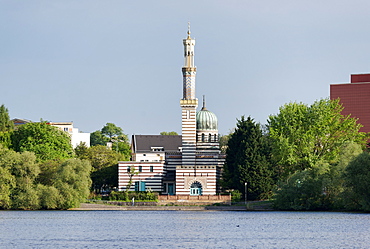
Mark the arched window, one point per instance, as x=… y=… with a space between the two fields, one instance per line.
x=196 y=188
x=209 y=138
x=215 y=138
x=202 y=137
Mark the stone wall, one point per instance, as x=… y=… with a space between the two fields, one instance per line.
x=193 y=200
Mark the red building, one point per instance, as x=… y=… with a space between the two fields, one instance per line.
x=355 y=98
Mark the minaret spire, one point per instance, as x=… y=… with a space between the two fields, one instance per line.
x=189 y=31
x=204 y=103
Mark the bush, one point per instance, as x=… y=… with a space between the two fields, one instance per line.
x=139 y=196
x=236 y=196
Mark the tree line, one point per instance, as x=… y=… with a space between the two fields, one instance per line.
x=307 y=157
x=39 y=169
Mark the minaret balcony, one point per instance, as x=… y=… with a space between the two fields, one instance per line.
x=189 y=102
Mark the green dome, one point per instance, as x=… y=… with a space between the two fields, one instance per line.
x=206 y=120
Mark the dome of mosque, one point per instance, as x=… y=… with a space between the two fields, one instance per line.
x=206 y=120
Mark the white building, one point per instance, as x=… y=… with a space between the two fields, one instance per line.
x=76 y=136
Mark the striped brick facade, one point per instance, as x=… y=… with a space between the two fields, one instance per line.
x=189 y=164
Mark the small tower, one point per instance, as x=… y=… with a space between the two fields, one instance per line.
x=207 y=129
x=188 y=103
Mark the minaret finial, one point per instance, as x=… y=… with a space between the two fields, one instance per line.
x=204 y=103
x=189 y=30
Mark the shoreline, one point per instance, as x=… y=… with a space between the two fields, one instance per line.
x=105 y=207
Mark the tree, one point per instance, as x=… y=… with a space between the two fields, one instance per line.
x=357 y=178
x=223 y=141
x=170 y=133
x=247 y=161
x=102 y=157
x=46 y=141
x=24 y=185
x=113 y=134
x=131 y=172
x=6 y=127
x=111 y=130
x=5 y=123
x=73 y=182
x=97 y=138
x=104 y=164
x=303 y=135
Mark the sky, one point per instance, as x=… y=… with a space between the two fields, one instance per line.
x=117 y=61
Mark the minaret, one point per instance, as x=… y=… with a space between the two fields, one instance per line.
x=188 y=103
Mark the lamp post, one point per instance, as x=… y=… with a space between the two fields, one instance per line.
x=245 y=192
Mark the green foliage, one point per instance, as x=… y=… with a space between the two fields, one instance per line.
x=224 y=140
x=170 y=133
x=131 y=173
x=6 y=127
x=301 y=191
x=48 y=172
x=236 y=196
x=46 y=141
x=81 y=151
x=105 y=177
x=27 y=186
x=138 y=196
x=26 y=198
x=49 y=196
x=111 y=130
x=104 y=164
x=6 y=124
x=101 y=157
x=304 y=135
x=357 y=177
x=113 y=134
x=319 y=188
x=97 y=138
x=7 y=183
x=73 y=181
x=248 y=161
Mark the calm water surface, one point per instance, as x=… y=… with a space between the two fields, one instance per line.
x=183 y=229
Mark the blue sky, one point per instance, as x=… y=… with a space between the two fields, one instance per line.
x=93 y=62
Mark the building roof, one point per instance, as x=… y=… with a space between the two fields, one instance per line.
x=146 y=143
x=206 y=120
x=20 y=121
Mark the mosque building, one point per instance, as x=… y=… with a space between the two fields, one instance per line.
x=189 y=164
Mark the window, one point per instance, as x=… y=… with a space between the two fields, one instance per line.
x=140 y=168
x=151 y=169
x=144 y=154
x=202 y=137
x=65 y=129
x=209 y=138
x=157 y=148
x=128 y=169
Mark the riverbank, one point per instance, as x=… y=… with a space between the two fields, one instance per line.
x=253 y=206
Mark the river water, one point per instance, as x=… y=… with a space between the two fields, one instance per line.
x=183 y=229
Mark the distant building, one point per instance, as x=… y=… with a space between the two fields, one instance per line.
x=355 y=98
x=76 y=136
x=189 y=164
x=19 y=121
